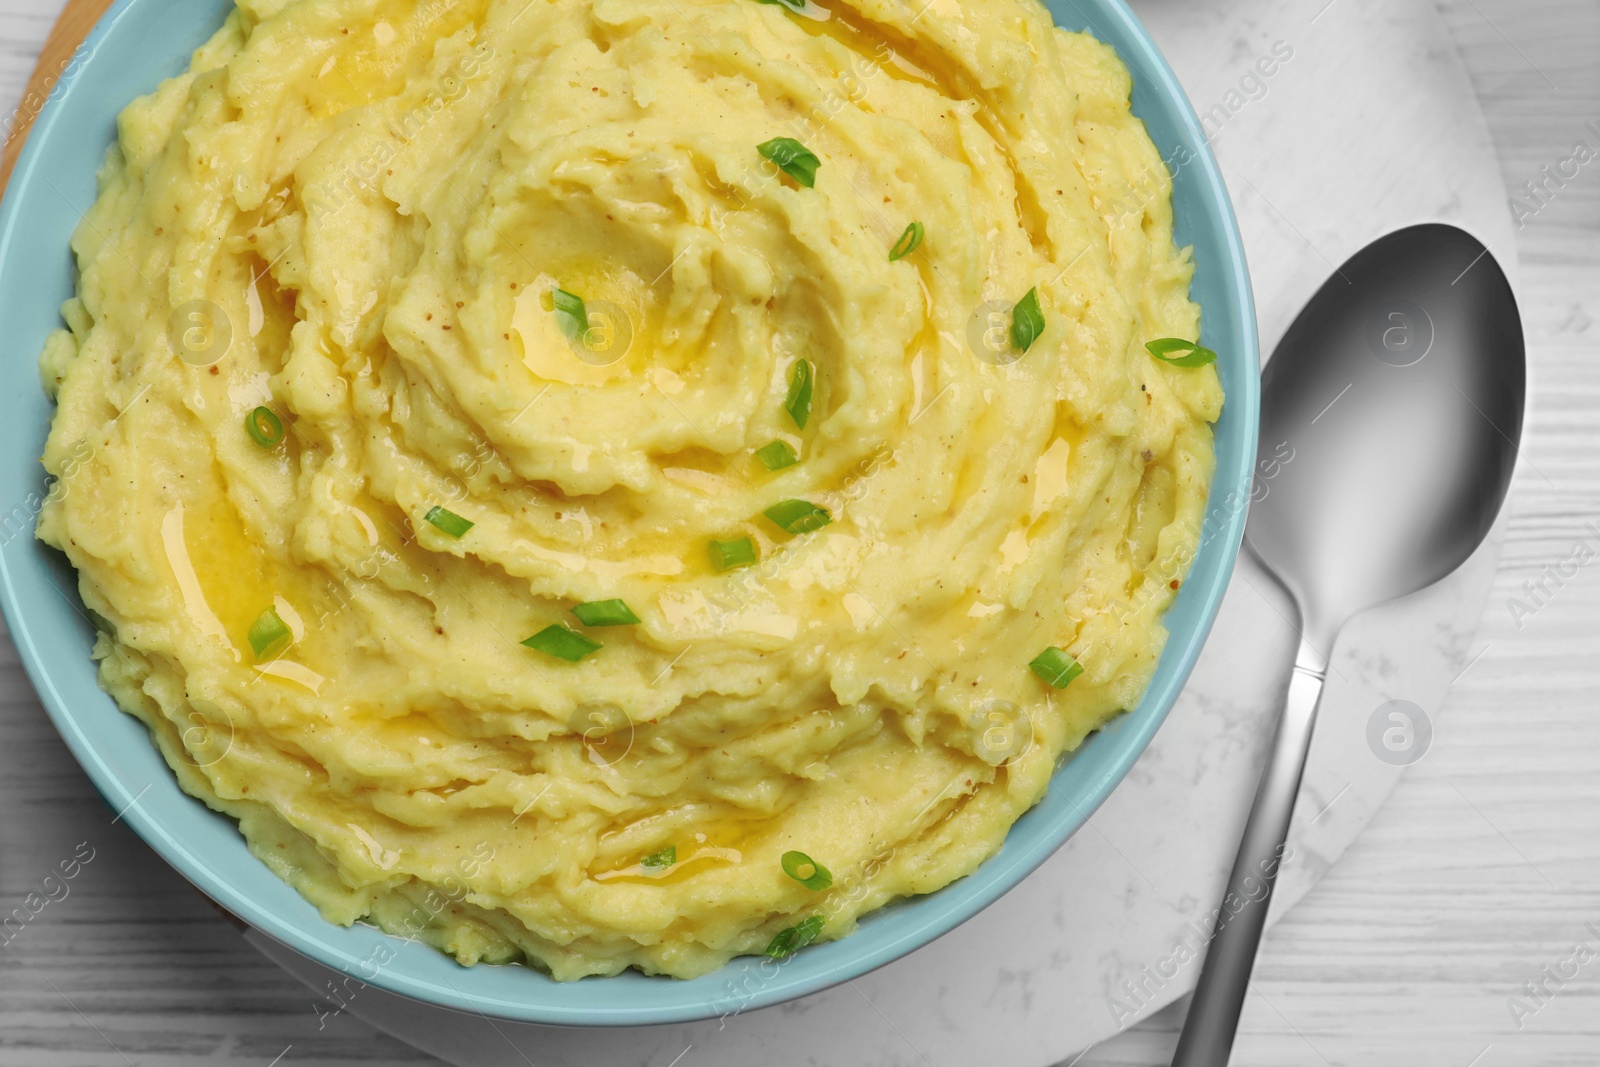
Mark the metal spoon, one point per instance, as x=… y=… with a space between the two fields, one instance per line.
x=1396 y=397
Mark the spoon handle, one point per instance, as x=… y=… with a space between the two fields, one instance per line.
x=1209 y=1030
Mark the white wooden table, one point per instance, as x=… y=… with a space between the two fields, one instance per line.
x=1482 y=871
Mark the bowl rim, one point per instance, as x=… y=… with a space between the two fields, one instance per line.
x=945 y=909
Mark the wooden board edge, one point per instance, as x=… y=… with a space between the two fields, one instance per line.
x=55 y=59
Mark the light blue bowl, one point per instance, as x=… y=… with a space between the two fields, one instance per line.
x=140 y=42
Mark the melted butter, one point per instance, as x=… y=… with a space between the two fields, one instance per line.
x=700 y=857
x=253 y=306
x=1013 y=550
x=1050 y=477
x=812 y=10
x=237 y=581
x=870 y=46
x=717 y=843
x=279 y=315
x=366 y=523
x=666 y=381
x=227 y=582
x=290 y=617
x=361 y=71
x=861 y=610
x=384 y=858
x=195 y=604
x=770 y=623
x=617 y=306
x=289 y=671
x=581 y=517
x=698 y=480
x=910 y=69
x=250 y=391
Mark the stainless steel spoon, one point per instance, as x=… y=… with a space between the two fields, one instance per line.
x=1391 y=414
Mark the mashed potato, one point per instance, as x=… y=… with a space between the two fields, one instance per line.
x=405 y=329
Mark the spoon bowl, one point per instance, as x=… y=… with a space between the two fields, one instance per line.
x=1398 y=393
x=1391 y=412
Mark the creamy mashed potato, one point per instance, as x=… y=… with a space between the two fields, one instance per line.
x=535 y=320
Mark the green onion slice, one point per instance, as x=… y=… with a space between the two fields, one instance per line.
x=1027 y=321
x=660 y=861
x=801 y=382
x=793 y=158
x=726 y=555
x=777 y=456
x=572 y=312
x=909 y=242
x=605 y=613
x=791 y=940
x=794 y=863
x=269 y=635
x=1163 y=348
x=264 y=427
x=798 y=5
x=798 y=516
x=448 y=521
x=558 y=641
x=1055 y=667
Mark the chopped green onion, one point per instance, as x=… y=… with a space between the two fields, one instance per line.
x=269 y=635
x=558 y=641
x=264 y=427
x=660 y=861
x=448 y=521
x=777 y=456
x=909 y=242
x=1197 y=357
x=798 y=5
x=798 y=402
x=1055 y=667
x=1027 y=321
x=605 y=613
x=796 y=862
x=798 y=516
x=571 y=311
x=794 y=938
x=726 y=555
x=793 y=158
